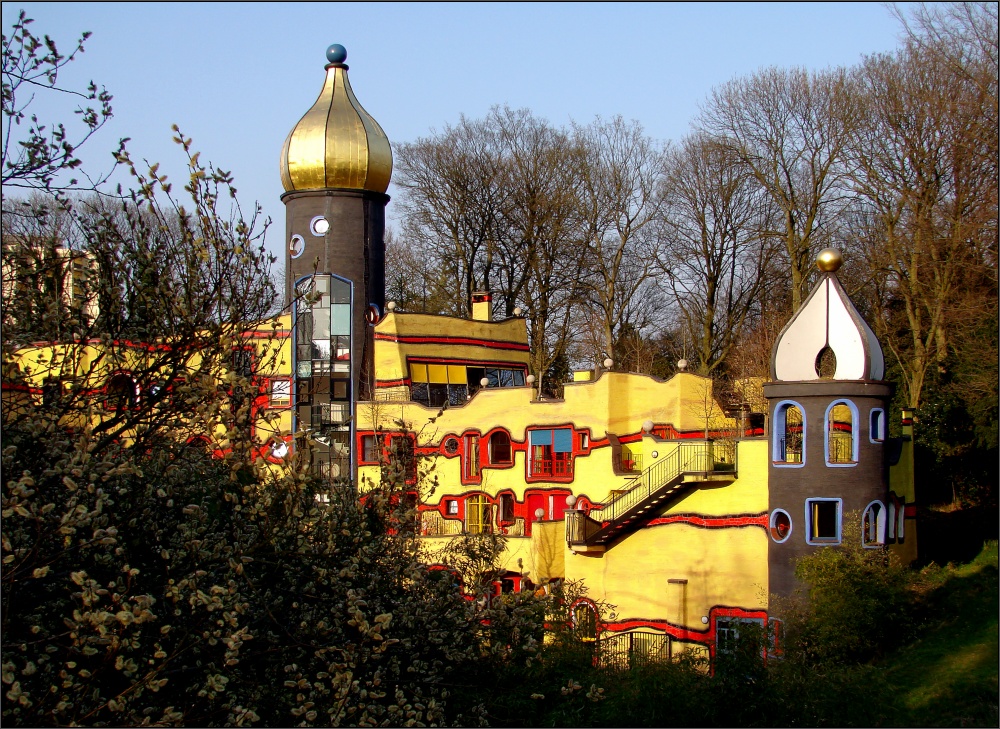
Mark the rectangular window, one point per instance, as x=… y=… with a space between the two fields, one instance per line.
x=281 y=393
x=404 y=457
x=823 y=520
x=451 y=507
x=369 y=449
x=471 y=457
x=420 y=392
x=507 y=507
x=551 y=453
x=243 y=362
x=729 y=632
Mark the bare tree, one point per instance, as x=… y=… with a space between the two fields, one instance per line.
x=620 y=201
x=716 y=252
x=44 y=156
x=926 y=214
x=789 y=128
x=455 y=193
x=545 y=228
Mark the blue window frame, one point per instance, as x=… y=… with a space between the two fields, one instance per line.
x=788 y=435
x=876 y=426
x=823 y=521
x=840 y=445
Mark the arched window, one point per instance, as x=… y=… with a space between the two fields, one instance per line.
x=873 y=523
x=585 y=621
x=500 y=451
x=876 y=428
x=788 y=432
x=842 y=434
x=780 y=526
x=121 y=393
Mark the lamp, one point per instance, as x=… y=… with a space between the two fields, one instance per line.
x=539 y=513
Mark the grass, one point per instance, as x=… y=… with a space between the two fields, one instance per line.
x=948 y=676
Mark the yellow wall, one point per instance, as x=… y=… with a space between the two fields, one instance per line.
x=723 y=566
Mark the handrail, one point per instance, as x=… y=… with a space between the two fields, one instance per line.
x=684 y=458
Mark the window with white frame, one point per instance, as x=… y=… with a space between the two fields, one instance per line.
x=876 y=427
x=788 y=433
x=841 y=434
x=873 y=523
x=281 y=393
x=729 y=632
x=823 y=521
x=780 y=525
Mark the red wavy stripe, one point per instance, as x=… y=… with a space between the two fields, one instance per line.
x=492 y=343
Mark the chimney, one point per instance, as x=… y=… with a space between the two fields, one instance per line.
x=482 y=306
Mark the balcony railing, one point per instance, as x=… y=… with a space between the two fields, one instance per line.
x=432 y=524
x=624 y=651
x=627 y=462
x=400 y=393
x=513 y=529
x=686 y=464
x=790 y=450
x=841 y=449
x=552 y=467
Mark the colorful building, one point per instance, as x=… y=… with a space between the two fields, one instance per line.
x=683 y=517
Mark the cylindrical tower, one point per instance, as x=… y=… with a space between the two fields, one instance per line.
x=827 y=471
x=335 y=167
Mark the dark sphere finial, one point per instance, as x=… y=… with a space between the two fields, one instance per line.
x=336 y=53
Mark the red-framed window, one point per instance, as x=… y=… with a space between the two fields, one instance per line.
x=550 y=454
x=402 y=454
x=471 y=466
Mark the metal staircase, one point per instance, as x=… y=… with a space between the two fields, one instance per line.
x=687 y=466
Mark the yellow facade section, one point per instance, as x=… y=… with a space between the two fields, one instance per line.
x=401 y=335
x=725 y=566
x=91 y=368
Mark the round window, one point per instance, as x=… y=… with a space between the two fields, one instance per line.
x=372 y=314
x=781 y=525
x=296 y=246
x=319 y=225
x=451 y=446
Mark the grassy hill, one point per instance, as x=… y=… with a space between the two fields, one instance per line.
x=948 y=675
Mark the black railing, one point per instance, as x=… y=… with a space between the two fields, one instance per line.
x=791 y=450
x=628 y=462
x=624 y=651
x=702 y=457
x=685 y=458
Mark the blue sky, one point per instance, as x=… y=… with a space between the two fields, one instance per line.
x=237 y=76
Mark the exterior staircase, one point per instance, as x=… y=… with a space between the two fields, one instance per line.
x=687 y=466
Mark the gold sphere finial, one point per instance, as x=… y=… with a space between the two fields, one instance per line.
x=829 y=260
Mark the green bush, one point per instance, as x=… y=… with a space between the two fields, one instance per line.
x=858 y=603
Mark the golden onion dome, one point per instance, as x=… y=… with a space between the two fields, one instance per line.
x=337 y=143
